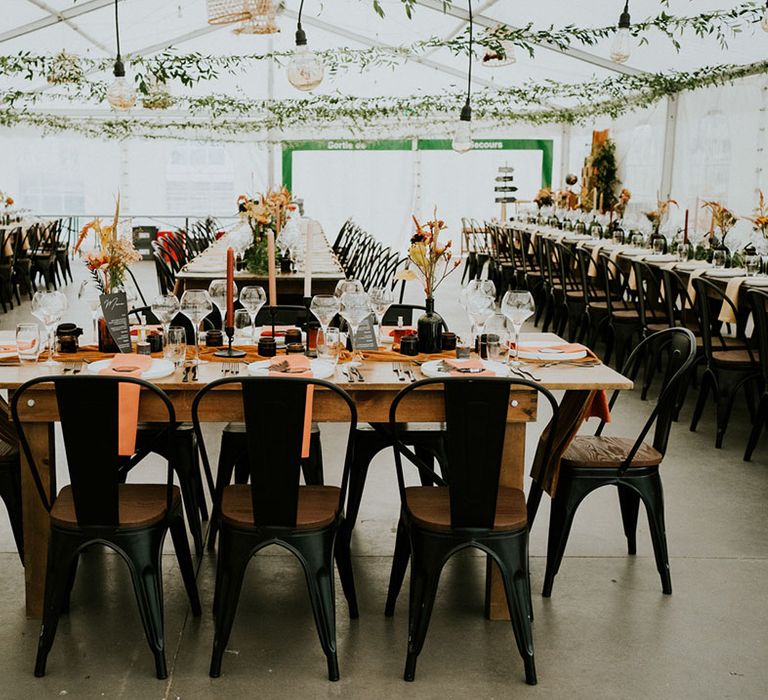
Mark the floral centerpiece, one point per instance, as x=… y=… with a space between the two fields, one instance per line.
x=543 y=198
x=109 y=261
x=760 y=219
x=723 y=219
x=265 y=212
x=432 y=262
x=658 y=215
x=621 y=205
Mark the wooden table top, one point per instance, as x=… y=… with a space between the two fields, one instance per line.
x=211 y=264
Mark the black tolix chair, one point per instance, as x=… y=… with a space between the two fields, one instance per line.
x=97 y=508
x=468 y=509
x=274 y=508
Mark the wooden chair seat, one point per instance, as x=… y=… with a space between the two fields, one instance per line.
x=141 y=505
x=318 y=506
x=733 y=357
x=590 y=451
x=430 y=508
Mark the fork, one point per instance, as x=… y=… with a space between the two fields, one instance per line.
x=398 y=370
x=409 y=373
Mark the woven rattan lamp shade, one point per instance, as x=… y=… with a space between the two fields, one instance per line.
x=254 y=16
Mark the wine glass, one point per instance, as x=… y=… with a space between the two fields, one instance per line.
x=517 y=306
x=253 y=298
x=752 y=263
x=343 y=286
x=165 y=307
x=91 y=295
x=217 y=291
x=196 y=305
x=48 y=308
x=355 y=308
x=479 y=309
x=381 y=300
x=719 y=259
x=324 y=307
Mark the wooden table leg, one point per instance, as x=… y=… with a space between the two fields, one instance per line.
x=35 y=516
x=512 y=468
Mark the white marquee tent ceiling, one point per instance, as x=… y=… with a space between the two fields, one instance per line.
x=148 y=26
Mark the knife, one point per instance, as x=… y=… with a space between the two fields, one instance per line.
x=185 y=378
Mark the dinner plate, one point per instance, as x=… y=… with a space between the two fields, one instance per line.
x=691 y=266
x=433 y=368
x=666 y=257
x=551 y=353
x=158 y=369
x=321 y=369
x=725 y=273
x=757 y=282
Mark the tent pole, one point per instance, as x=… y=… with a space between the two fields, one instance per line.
x=668 y=161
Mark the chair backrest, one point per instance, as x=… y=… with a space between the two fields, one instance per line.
x=758 y=299
x=274 y=413
x=650 y=304
x=166 y=278
x=89 y=414
x=285 y=315
x=709 y=300
x=679 y=346
x=680 y=308
x=476 y=419
x=406 y=312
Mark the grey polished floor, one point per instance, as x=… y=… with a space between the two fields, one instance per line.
x=607 y=631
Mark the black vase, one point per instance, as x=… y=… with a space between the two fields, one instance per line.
x=430 y=328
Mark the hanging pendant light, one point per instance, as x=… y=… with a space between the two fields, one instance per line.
x=622 y=42
x=226 y=11
x=502 y=55
x=121 y=94
x=261 y=17
x=462 y=136
x=306 y=69
x=764 y=23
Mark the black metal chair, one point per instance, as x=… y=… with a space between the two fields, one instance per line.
x=632 y=465
x=758 y=300
x=274 y=508
x=729 y=368
x=10 y=476
x=468 y=509
x=97 y=508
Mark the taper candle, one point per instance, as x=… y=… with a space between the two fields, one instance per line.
x=271 y=268
x=308 y=261
x=230 y=320
x=685 y=228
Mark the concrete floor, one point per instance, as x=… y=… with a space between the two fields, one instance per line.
x=607 y=631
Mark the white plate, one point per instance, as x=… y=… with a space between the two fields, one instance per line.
x=158 y=369
x=666 y=257
x=757 y=282
x=321 y=369
x=726 y=273
x=432 y=368
x=546 y=353
x=635 y=253
x=691 y=266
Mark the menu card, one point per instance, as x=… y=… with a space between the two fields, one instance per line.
x=366 y=337
x=114 y=307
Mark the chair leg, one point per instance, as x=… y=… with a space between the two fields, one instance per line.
x=534 y=499
x=234 y=556
x=10 y=492
x=512 y=559
x=144 y=559
x=629 y=500
x=316 y=557
x=184 y=557
x=62 y=549
x=399 y=566
x=653 y=497
x=228 y=455
x=343 y=555
x=189 y=482
x=427 y=558
x=706 y=382
x=757 y=426
x=570 y=492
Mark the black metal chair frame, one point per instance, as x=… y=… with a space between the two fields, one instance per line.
x=94 y=467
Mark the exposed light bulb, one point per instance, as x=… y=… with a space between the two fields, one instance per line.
x=306 y=69
x=621 y=47
x=462 y=137
x=764 y=23
x=498 y=59
x=121 y=94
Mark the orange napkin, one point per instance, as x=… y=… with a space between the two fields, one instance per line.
x=599 y=407
x=299 y=362
x=732 y=292
x=473 y=363
x=127 y=398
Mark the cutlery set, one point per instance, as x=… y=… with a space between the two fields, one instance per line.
x=403 y=372
x=353 y=374
x=230 y=368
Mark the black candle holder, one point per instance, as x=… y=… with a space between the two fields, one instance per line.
x=228 y=351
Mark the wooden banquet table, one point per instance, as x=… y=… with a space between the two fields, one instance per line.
x=372 y=398
x=211 y=265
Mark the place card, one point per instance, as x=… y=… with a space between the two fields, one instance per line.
x=366 y=337
x=114 y=307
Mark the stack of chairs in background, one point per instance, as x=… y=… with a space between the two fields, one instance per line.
x=174 y=250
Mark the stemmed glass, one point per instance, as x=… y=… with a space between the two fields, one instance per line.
x=49 y=307
x=91 y=294
x=196 y=305
x=479 y=309
x=164 y=308
x=324 y=307
x=517 y=306
x=217 y=291
x=381 y=300
x=355 y=308
x=253 y=298
x=343 y=286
